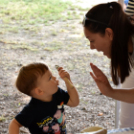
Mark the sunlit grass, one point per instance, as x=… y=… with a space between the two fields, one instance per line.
x=28 y=17
x=33 y=11
x=54 y=45
x=2 y=118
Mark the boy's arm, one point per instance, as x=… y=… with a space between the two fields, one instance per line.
x=74 y=97
x=14 y=127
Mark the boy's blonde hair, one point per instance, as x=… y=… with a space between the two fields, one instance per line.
x=28 y=75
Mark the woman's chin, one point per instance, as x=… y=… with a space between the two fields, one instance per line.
x=108 y=56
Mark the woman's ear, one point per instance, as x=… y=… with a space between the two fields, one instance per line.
x=109 y=33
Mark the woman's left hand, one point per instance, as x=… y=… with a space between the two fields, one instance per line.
x=101 y=80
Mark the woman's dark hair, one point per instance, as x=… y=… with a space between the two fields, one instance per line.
x=114 y=17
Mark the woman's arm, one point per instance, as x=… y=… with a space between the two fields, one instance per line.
x=14 y=127
x=123 y=95
x=106 y=89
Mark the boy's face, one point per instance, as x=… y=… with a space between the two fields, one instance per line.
x=48 y=83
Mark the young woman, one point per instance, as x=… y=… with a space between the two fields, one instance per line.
x=110 y=31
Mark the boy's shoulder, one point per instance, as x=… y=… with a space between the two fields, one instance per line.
x=32 y=107
x=31 y=104
x=60 y=91
x=61 y=95
x=35 y=104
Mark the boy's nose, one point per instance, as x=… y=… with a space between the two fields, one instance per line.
x=54 y=78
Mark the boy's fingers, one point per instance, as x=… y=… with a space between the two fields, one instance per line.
x=61 y=71
x=60 y=68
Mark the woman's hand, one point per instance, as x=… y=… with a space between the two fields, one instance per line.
x=101 y=80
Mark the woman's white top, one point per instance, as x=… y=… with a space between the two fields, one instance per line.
x=127 y=109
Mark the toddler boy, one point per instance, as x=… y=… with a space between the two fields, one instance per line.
x=44 y=114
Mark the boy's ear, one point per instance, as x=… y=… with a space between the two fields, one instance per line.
x=38 y=91
x=109 y=33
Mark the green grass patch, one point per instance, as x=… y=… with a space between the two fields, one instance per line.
x=2 y=118
x=82 y=9
x=19 y=45
x=34 y=11
x=24 y=47
x=54 y=45
x=27 y=15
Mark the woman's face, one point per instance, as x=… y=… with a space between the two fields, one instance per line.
x=101 y=43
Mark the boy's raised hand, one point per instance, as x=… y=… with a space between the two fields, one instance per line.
x=74 y=97
x=101 y=80
x=65 y=76
x=63 y=73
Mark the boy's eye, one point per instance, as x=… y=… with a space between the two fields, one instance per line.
x=50 y=78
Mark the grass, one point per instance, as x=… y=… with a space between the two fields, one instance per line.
x=30 y=16
x=24 y=47
x=34 y=11
x=20 y=45
x=2 y=118
x=54 y=45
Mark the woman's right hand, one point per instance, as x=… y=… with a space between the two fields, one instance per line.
x=101 y=80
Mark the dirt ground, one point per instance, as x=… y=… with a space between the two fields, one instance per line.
x=64 y=44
